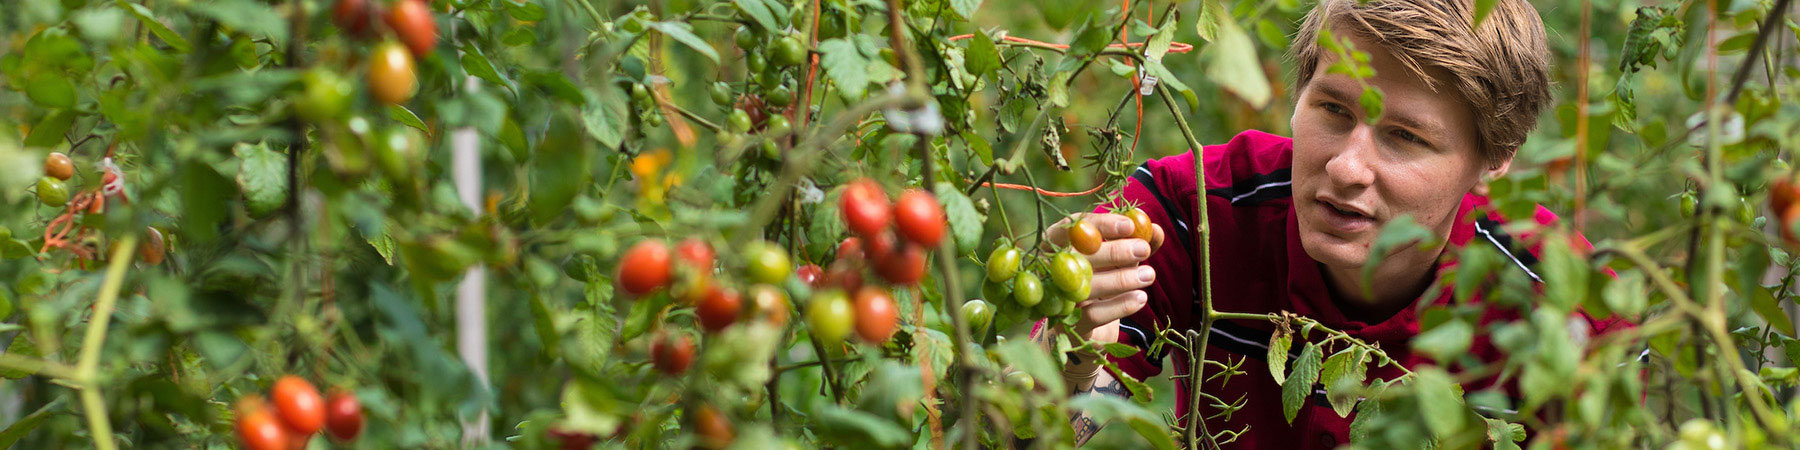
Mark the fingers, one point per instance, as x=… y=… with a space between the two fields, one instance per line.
x=1114 y=282
x=1111 y=226
x=1156 y=239
x=1094 y=313
x=1057 y=235
x=1119 y=253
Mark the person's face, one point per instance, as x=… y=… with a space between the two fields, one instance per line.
x=1352 y=177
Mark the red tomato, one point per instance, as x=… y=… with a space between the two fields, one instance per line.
x=695 y=252
x=770 y=303
x=58 y=165
x=844 y=275
x=343 y=416
x=571 y=440
x=718 y=309
x=850 y=248
x=876 y=316
x=353 y=17
x=672 y=355
x=299 y=404
x=392 y=78
x=810 y=274
x=712 y=427
x=1085 y=237
x=919 y=217
x=905 y=267
x=881 y=246
x=864 y=207
x=412 y=21
x=644 y=268
x=257 y=427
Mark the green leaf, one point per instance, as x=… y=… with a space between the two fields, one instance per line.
x=1400 y=233
x=20 y=347
x=477 y=63
x=559 y=86
x=525 y=11
x=605 y=116
x=1299 y=385
x=49 y=132
x=247 y=16
x=980 y=146
x=1440 y=401
x=839 y=424
x=1482 y=8
x=1503 y=436
x=1058 y=15
x=1371 y=101
x=1446 y=341
x=1212 y=12
x=1342 y=376
x=51 y=90
x=965 y=8
x=1766 y=305
x=965 y=221
x=405 y=116
x=1565 y=273
x=1231 y=62
x=1158 y=45
x=24 y=425
x=1627 y=295
x=542 y=321
x=1278 y=355
x=758 y=11
x=844 y=63
x=1368 y=414
x=262 y=176
x=684 y=34
x=1170 y=81
x=982 y=57
x=180 y=44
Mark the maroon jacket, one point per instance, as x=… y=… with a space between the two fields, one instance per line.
x=1259 y=266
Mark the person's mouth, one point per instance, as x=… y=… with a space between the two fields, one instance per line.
x=1345 y=217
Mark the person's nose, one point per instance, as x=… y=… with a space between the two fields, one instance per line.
x=1352 y=167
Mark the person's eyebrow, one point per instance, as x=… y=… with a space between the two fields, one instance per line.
x=1335 y=92
x=1425 y=128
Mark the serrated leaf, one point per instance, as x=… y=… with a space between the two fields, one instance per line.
x=24 y=425
x=1397 y=234
x=525 y=11
x=1299 y=385
x=247 y=16
x=1501 y=434
x=1158 y=45
x=965 y=221
x=982 y=57
x=1278 y=355
x=1342 y=376
x=1371 y=101
x=1368 y=414
x=51 y=90
x=684 y=34
x=980 y=146
x=49 y=132
x=1211 y=13
x=1232 y=63
x=476 y=63
x=1445 y=341
x=1118 y=350
x=406 y=117
x=965 y=8
x=845 y=65
x=605 y=116
x=839 y=424
x=262 y=176
x=543 y=322
x=558 y=85
x=1440 y=401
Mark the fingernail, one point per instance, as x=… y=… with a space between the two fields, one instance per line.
x=1140 y=249
x=1146 y=274
x=1140 y=298
x=1123 y=227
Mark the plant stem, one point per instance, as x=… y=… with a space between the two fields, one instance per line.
x=39 y=367
x=1203 y=270
x=88 y=368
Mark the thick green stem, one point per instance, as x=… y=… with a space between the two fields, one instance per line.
x=1203 y=270
x=88 y=368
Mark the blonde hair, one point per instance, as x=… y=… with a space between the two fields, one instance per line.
x=1501 y=67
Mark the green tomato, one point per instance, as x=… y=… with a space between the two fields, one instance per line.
x=654 y=120
x=1021 y=379
x=1069 y=271
x=398 y=150
x=739 y=121
x=1003 y=263
x=778 y=126
x=780 y=97
x=640 y=95
x=1688 y=204
x=771 y=150
x=830 y=315
x=789 y=52
x=52 y=192
x=978 y=314
x=755 y=62
x=746 y=38
x=1050 y=307
x=766 y=263
x=1027 y=290
x=326 y=96
x=996 y=291
x=721 y=93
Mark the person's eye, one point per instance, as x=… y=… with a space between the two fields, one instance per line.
x=1408 y=136
x=1336 y=109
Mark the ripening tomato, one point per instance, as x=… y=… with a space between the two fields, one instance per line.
x=1028 y=290
x=766 y=263
x=392 y=77
x=1141 y=226
x=1003 y=263
x=353 y=16
x=719 y=308
x=712 y=426
x=298 y=404
x=325 y=96
x=850 y=248
x=343 y=416
x=769 y=303
x=257 y=427
x=695 y=252
x=1783 y=193
x=153 y=249
x=412 y=21
x=59 y=166
x=830 y=315
x=880 y=245
x=876 y=315
x=919 y=217
x=672 y=355
x=810 y=274
x=644 y=268
x=844 y=274
x=905 y=267
x=864 y=207
x=1084 y=236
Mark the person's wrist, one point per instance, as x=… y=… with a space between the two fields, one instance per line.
x=1082 y=368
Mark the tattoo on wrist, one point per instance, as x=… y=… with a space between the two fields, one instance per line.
x=1110 y=387
x=1085 y=428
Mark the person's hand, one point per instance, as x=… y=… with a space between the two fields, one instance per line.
x=1118 y=279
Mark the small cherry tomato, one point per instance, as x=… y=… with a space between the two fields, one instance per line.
x=850 y=248
x=52 y=192
x=712 y=427
x=810 y=274
x=719 y=308
x=919 y=217
x=1028 y=290
x=745 y=38
x=413 y=22
x=738 y=121
x=353 y=16
x=343 y=416
x=325 y=96
x=1084 y=236
x=644 y=268
x=865 y=207
x=153 y=249
x=672 y=354
x=392 y=78
x=721 y=93
x=1003 y=263
x=830 y=315
x=844 y=274
x=1065 y=270
x=1141 y=226
x=298 y=404
x=59 y=166
x=905 y=267
x=766 y=263
x=789 y=52
x=696 y=253
x=257 y=427
x=876 y=315
x=780 y=97
x=977 y=314
x=770 y=303
x=778 y=126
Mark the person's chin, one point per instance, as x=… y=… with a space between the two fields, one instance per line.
x=1334 y=251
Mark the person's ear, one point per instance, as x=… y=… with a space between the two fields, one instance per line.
x=1489 y=174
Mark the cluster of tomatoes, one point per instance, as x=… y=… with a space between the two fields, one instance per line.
x=1784 y=203
x=294 y=412
x=66 y=231
x=1011 y=278
x=392 y=78
x=890 y=239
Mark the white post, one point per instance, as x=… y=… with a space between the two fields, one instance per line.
x=471 y=292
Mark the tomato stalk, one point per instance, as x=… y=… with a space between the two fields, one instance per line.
x=88 y=368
